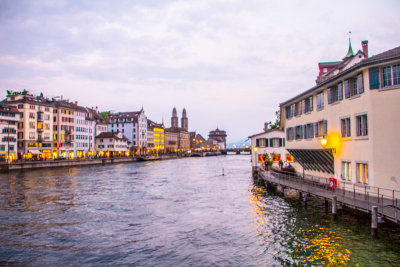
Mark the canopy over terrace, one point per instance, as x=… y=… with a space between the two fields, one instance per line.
x=321 y=160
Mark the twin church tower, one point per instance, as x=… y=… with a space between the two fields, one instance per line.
x=175 y=120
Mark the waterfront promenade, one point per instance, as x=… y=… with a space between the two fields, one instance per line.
x=53 y=163
x=360 y=197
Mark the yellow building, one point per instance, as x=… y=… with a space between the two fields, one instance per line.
x=155 y=137
x=35 y=127
x=347 y=125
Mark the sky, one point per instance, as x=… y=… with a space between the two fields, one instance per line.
x=229 y=63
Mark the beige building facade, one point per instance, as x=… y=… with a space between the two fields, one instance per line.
x=347 y=126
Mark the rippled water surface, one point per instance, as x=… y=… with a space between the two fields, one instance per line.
x=176 y=212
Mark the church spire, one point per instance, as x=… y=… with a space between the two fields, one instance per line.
x=350 y=53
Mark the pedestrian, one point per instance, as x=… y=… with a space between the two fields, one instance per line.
x=280 y=164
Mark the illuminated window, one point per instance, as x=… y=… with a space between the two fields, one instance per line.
x=346 y=171
x=31 y=125
x=40 y=125
x=276 y=157
x=362 y=173
x=289 y=158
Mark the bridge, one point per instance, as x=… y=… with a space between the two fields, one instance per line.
x=239 y=150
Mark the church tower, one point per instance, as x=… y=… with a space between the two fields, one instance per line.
x=174 y=118
x=184 y=120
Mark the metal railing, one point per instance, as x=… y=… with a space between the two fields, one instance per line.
x=358 y=196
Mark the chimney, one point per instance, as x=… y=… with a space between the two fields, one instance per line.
x=364 y=45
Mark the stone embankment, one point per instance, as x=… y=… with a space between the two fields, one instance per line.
x=28 y=165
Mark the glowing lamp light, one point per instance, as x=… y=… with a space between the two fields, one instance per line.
x=323 y=142
x=255 y=149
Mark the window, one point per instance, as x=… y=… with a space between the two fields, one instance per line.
x=299 y=132
x=32 y=106
x=261 y=142
x=335 y=93
x=308 y=131
x=276 y=142
x=391 y=75
x=320 y=128
x=31 y=115
x=31 y=125
x=362 y=173
x=308 y=104
x=346 y=171
x=289 y=112
x=290 y=133
x=345 y=127
x=20 y=135
x=20 y=106
x=32 y=135
x=47 y=117
x=276 y=157
x=354 y=86
x=362 y=125
x=320 y=100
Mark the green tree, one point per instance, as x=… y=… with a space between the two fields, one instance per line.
x=105 y=114
x=269 y=125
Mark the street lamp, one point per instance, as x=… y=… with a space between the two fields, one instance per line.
x=323 y=142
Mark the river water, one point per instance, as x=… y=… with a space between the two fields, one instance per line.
x=175 y=213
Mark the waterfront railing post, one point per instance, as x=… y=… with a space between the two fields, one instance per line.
x=374 y=219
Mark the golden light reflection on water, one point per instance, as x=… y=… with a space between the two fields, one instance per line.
x=311 y=245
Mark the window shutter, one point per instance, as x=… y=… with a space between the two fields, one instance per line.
x=311 y=130
x=346 y=89
x=316 y=129
x=287 y=133
x=360 y=83
x=271 y=143
x=280 y=142
x=304 y=127
x=266 y=142
x=293 y=133
x=311 y=102
x=340 y=91
x=283 y=141
x=287 y=112
x=257 y=142
x=304 y=105
x=325 y=127
x=329 y=95
x=374 y=78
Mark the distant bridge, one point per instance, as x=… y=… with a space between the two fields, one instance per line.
x=239 y=150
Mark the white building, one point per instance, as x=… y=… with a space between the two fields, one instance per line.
x=9 y=118
x=133 y=125
x=111 y=144
x=347 y=125
x=271 y=142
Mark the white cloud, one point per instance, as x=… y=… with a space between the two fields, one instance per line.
x=230 y=63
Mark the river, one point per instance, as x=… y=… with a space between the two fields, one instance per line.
x=175 y=213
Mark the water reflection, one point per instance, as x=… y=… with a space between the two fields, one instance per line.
x=295 y=235
x=171 y=213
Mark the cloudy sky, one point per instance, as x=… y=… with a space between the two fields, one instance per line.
x=230 y=63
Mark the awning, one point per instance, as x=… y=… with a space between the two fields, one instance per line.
x=35 y=152
x=321 y=160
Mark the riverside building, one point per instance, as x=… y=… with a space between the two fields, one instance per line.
x=133 y=125
x=35 y=126
x=347 y=125
x=9 y=118
x=271 y=143
x=155 y=137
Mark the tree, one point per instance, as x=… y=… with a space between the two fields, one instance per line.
x=105 y=114
x=269 y=125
